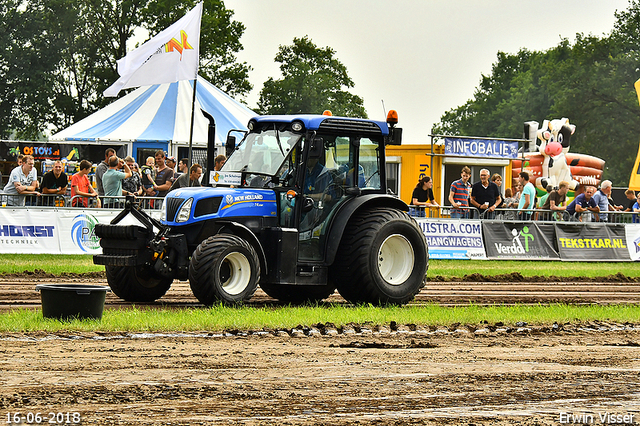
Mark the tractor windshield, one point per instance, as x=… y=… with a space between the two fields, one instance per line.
x=262 y=153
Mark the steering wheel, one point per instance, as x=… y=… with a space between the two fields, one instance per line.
x=333 y=190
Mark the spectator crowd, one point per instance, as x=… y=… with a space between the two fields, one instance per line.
x=484 y=200
x=115 y=178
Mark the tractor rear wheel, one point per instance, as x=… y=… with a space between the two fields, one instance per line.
x=382 y=259
x=298 y=293
x=224 y=268
x=136 y=284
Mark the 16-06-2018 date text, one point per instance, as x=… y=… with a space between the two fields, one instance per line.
x=34 y=418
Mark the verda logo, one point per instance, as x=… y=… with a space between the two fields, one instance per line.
x=525 y=233
x=516 y=246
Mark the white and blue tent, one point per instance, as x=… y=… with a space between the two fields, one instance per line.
x=159 y=117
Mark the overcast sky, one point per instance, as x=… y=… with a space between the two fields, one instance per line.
x=422 y=57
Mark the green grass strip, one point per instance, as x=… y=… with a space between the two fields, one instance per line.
x=219 y=318
x=459 y=268
x=50 y=263
x=59 y=264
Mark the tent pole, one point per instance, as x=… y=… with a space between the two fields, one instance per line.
x=193 y=107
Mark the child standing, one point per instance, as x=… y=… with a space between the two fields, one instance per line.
x=149 y=175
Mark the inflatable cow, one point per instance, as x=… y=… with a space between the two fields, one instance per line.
x=555 y=138
x=550 y=162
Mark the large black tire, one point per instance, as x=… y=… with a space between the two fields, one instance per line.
x=136 y=284
x=298 y=294
x=224 y=268
x=382 y=258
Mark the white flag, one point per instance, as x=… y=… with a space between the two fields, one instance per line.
x=170 y=56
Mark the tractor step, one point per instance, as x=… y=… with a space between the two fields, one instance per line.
x=113 y=260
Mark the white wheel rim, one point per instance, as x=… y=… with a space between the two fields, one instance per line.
x=239 y=273
x=396 y=259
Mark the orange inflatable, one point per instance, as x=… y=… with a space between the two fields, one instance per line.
x=585 y=169
x=552 y=162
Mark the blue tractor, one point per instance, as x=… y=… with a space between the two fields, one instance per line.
x=300 y=208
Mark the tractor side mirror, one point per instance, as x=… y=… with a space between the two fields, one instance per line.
x=317 y=148
x=395 y=136
x=230 y=146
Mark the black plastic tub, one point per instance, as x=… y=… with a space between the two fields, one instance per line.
x=71 y=301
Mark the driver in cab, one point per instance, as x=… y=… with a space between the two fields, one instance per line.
x=317 y=178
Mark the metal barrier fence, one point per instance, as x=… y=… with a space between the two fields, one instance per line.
x=434 y=212
x=447 y=212
x=78 y=201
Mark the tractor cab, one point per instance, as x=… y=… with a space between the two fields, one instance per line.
x=313 y=168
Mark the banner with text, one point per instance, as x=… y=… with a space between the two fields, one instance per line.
x=55 y=231
x=591 y=241
x=633 y=241
x=71 y=231
x=453 y=239
x=41 y=151
x=28 y=231
x=519 y=240
x=495 y=148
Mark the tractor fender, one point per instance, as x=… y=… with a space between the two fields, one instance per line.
x=347 y=210
x=235 y=228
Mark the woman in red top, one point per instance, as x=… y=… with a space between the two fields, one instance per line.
x=81 y=186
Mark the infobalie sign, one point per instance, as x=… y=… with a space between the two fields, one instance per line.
x=493 y=148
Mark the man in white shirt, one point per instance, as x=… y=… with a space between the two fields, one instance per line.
x=23 y=180
x=601 y=198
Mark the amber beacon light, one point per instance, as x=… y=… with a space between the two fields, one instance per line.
x=392 y=117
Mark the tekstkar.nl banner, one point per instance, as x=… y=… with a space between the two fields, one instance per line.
x=590 y=241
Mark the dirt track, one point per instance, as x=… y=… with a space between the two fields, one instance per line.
x=474 y=374
x=19 y=291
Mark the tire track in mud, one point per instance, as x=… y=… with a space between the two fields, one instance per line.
x=21 y=293
x=491 y=379
x=489 y=374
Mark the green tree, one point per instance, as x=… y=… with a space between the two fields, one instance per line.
x=65 y=54
x=313 y=80
x=9 y=20
x=25 y=69
x=589 y=81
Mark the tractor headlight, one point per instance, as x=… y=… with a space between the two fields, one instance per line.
x=185 y=211
x=163 y=212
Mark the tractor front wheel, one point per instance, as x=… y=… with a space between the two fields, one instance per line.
x=224 y=268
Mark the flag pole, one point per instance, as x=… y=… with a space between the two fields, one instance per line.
x=193 y=108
